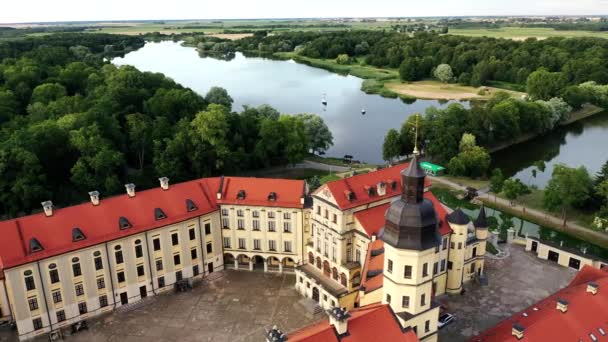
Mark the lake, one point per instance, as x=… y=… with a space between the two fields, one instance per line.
x=297 y=88
x=289 y=87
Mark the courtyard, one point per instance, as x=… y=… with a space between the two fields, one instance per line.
x=515 y=283
x=233 y=306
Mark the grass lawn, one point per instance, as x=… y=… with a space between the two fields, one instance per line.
x=535 y=200
x=521 y=33
x=465 y=181
x=431 y=89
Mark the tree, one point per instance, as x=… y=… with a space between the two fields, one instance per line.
x=568 y=187
x=219 y=95
x=497 y=181
x=407 y=135
x=297 y=144
x=444 y=73
x=211 y=128
x=472 y=161
x=391 y=149
x=408 y=70
x=139 y=130
x=48 y=92
x=8 y=105
x=467 y=142
x=319 y=136
x=513 y=188
x=343 y=59
x=543 y=85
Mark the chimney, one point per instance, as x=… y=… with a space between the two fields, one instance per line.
x=338 y=317
x=374 y=237
x=562 y=305
x=275 y=335
x=48 y=208
x=592 y=288
x=164 y=183
x=381 y=189
x=220 y=189
x=130 y=189
x=517 y=331
x=94 y=197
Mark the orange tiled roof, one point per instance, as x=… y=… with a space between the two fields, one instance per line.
x=289 y=193
x=374 y=264
x=371 y=323
x=358 y=186
x=586 y=314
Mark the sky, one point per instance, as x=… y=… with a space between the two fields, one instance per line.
x=17 y=11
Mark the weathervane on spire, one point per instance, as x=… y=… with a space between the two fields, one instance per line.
x=416 y=152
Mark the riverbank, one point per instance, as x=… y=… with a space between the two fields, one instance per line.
x=587 y=110
x=435 y=90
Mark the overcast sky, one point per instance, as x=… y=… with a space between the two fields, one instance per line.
x=14 y=11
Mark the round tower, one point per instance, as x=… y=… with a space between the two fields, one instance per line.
x=410 y=237
x=459 y=222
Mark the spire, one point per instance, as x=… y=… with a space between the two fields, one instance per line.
x=458 y=217
x=412 y=180
x=481 y=221
x=416 y=152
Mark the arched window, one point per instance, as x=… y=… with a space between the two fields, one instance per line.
x=335 y=273
x=343 y=279
x=311 y=258
x=318 y=263
x=326 y=269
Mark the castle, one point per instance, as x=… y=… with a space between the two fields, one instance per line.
x=380 y=243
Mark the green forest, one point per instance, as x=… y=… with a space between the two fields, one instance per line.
x=71 y=122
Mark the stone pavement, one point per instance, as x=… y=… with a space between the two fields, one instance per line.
x=236 y=308
x=514 y=284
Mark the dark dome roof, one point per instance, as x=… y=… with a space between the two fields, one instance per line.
x=458 y=217
x=411 y=225
x=481 y=221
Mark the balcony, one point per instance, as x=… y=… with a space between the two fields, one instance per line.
x=329 y=285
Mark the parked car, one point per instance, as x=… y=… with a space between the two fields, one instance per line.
x=444 y=320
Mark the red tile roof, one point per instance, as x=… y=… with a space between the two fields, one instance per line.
x=373 y=219
x=357 y=185
x=373 y=263
x=586 y=314
x=100 y=223
x=371 y=323
x=289 y=193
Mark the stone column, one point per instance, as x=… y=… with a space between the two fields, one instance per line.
x=280 y=267
x=236 y=263
x=251 y=264
x=265 y=265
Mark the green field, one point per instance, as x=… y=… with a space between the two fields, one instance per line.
x=523 y=33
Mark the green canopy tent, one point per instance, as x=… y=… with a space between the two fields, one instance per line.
x=432 y=169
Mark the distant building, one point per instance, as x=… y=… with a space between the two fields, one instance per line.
x=562 y=255
x=578 y=312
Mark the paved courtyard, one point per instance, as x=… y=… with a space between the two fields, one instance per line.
x=514 y=284
x=235 y=307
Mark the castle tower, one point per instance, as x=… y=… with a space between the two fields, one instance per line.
x=459 y=222
x=481 y=234
x=410 y=237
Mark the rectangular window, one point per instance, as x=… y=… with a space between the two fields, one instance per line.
x=241 y=243
x=452 y=245
x=442 y=265
x=272 y=245
x=56 y=296
x=76 y=269
x=286 y=216
x=195 y=270
x=29 y=283
x=255 y=213
x=240 y=223
x=37 y=323
x=318 y=210
x=140 y=271
x=335 y=219
x=225 y=223
x=256 y=224
x=101 y=283
x=33 y=303
x=427 y=326
x=271 y=226
x=139 y=251
x=54 y=275
x=176 y=260
x=82 y=308
x=226 y=242
x=174 y=239
x=445 y=243
x=256 y=244
x=405 y=301
x=388 y=298
x=60 y=316
x=161 y=282
x=159 y=264
x=209 y=248
x=120 y=276
x=239 y=213
x=103 y=301
x=422 y=299
x=79 y=289
x=449 y=265
x=193 y=254
x=225 y=212
x=118 y=257
x=192 y=234
x=287 y=246
x=407 y=272
x=435 y=268
x=98 y=263
x=156 y=243
x=390 y=266
x=287 y=227
x=425 y=269
x=271 y=214
x=207 y=228
x=326 y=213
x=460 y=245
x=178 y=276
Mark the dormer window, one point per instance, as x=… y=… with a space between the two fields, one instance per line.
x=123 y=223
x=241 y=195
x=77 y=235
x=393 y=184
x=349 y=195
x=159 y=214
x=370 y=190
x=272 y=196
x=190 y=206
x=35 y=245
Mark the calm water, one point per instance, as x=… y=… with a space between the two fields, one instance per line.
x=296 y=88
x=290 y=88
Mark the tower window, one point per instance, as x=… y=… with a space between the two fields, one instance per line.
x=390 y=266
x=407 y=272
